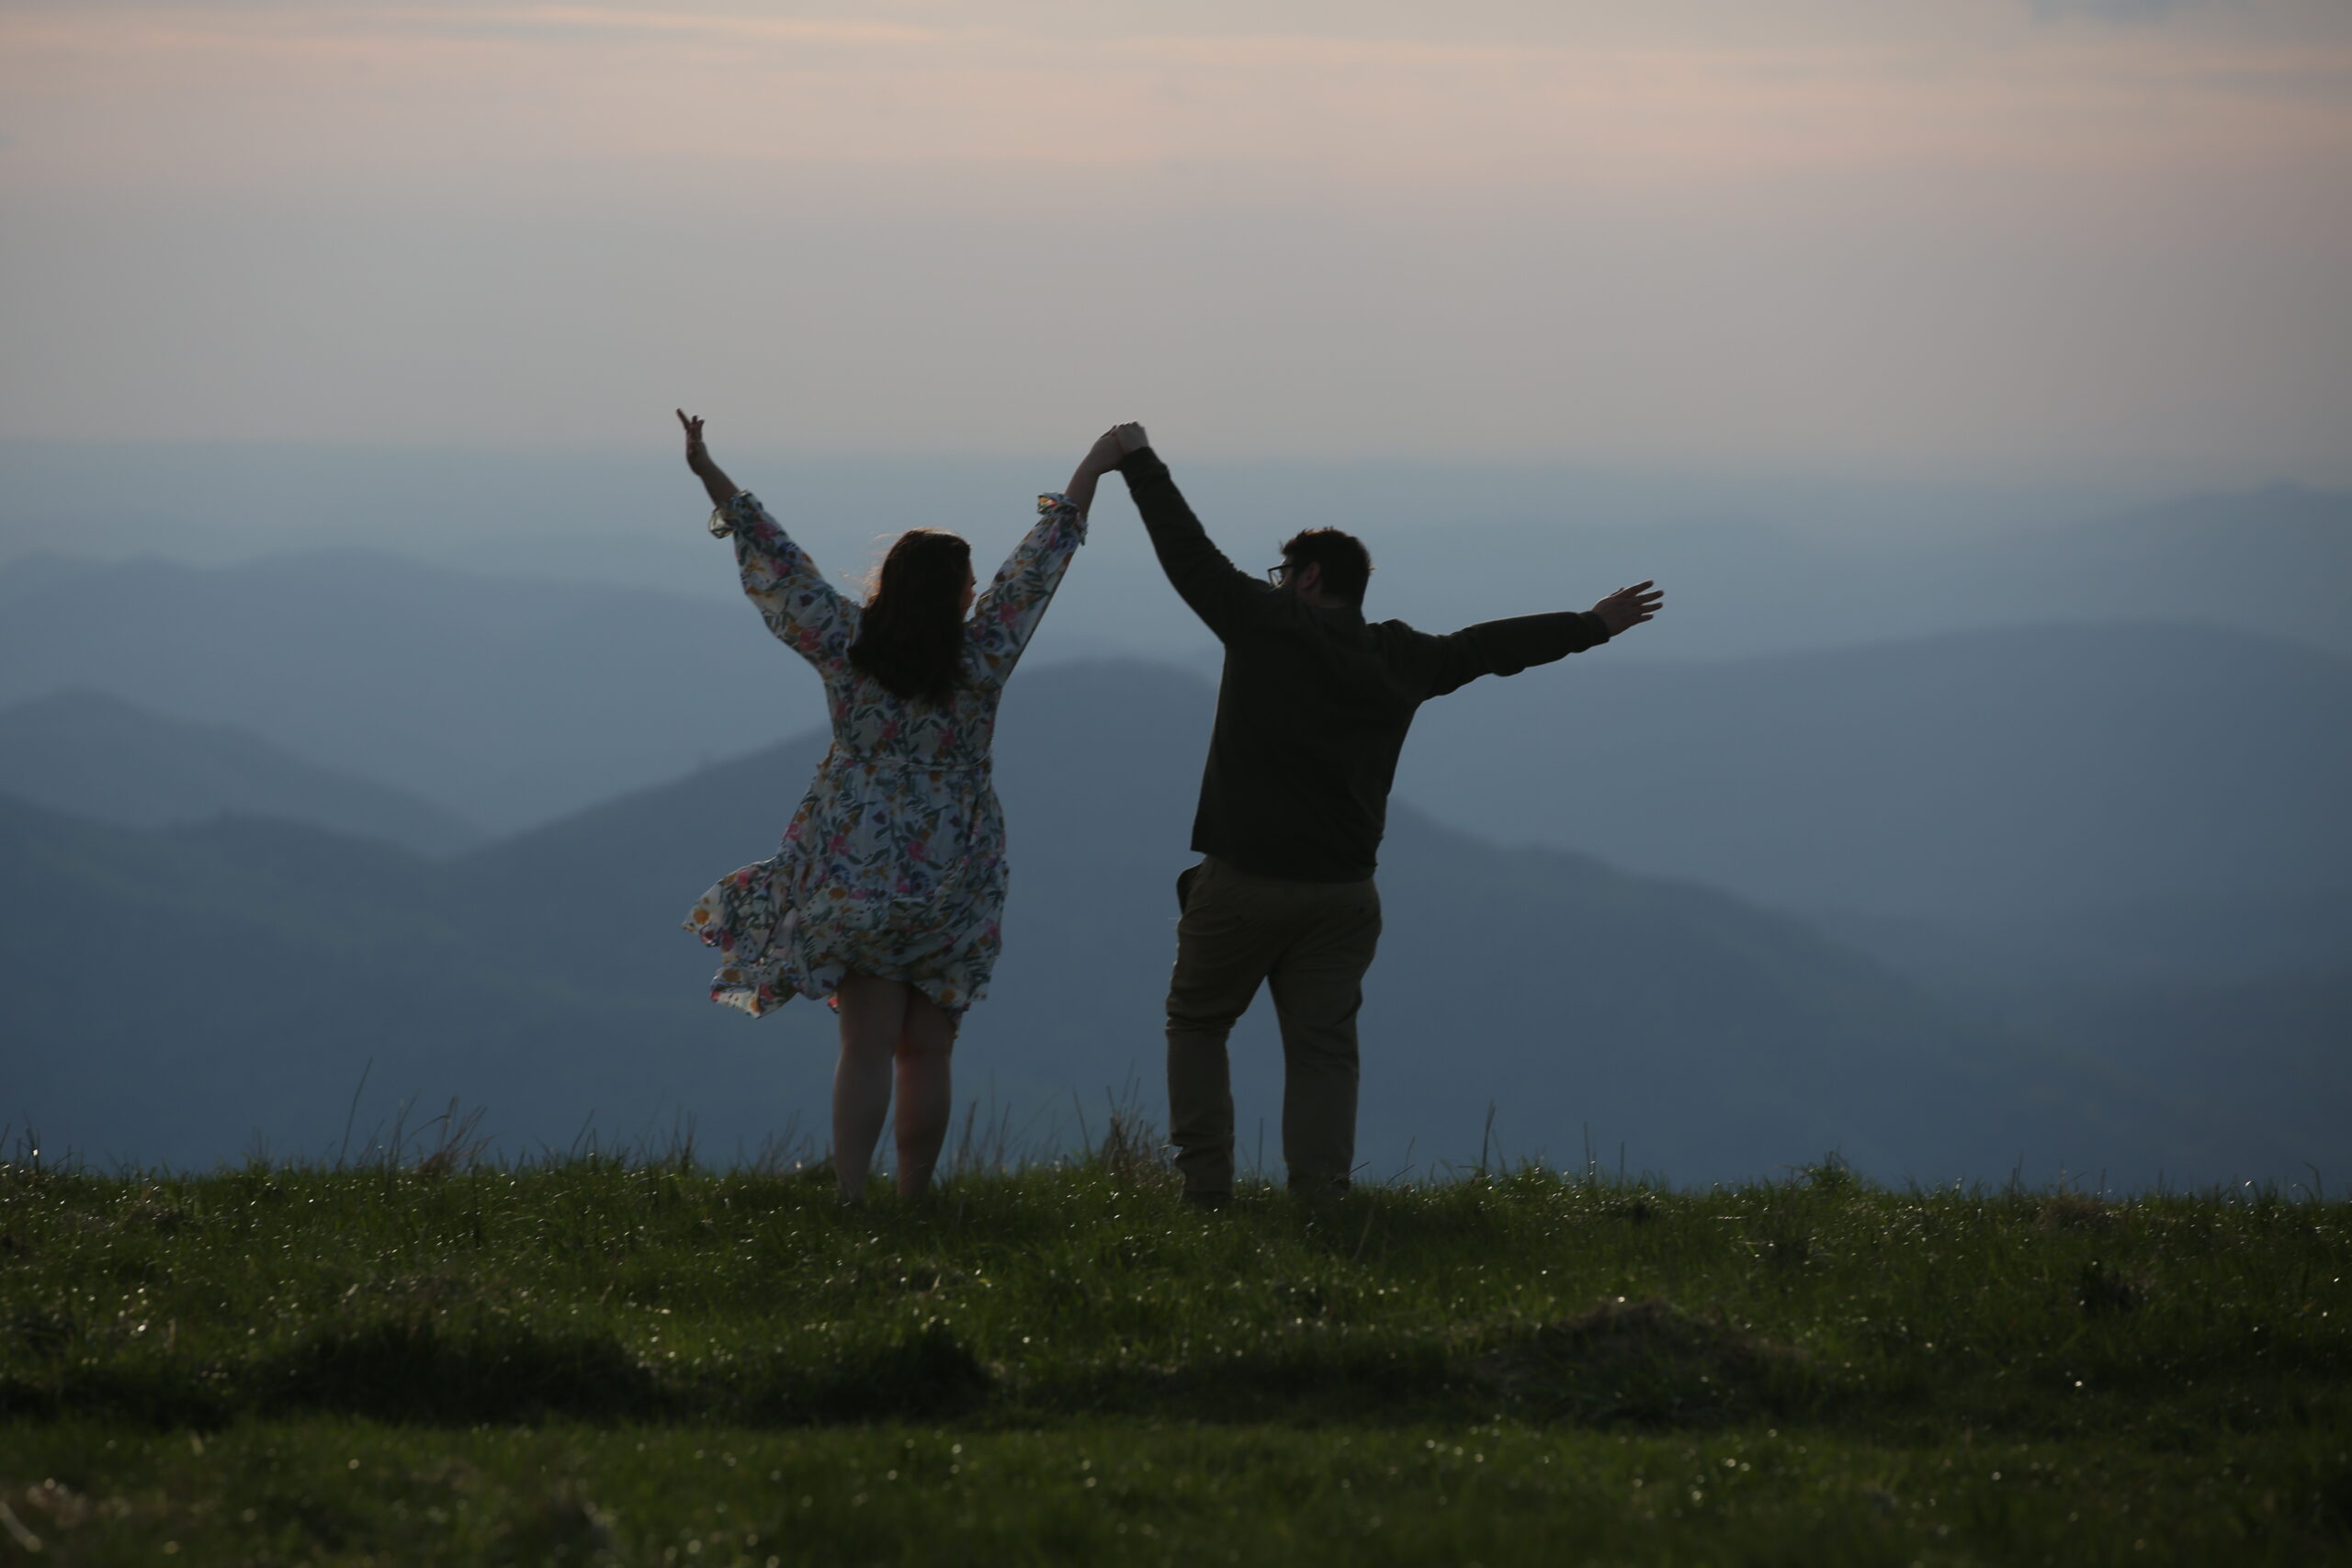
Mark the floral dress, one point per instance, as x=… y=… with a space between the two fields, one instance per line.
x=894 y=864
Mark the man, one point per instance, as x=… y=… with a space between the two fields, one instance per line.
x=1311 y=714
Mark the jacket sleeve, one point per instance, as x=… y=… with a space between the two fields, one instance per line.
x=1221 y=593
x=1506 y=648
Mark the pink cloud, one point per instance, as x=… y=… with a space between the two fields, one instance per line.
x=253 y=95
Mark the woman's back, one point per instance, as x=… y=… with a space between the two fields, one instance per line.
x=871 y=722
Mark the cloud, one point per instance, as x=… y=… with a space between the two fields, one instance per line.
x=2109 y=10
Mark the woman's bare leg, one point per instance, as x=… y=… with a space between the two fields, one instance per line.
x=926 y=1090
x=873 y=1018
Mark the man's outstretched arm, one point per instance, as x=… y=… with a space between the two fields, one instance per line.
x=1506 y=648
x=1219 y=592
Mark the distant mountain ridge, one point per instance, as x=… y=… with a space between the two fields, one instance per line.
x=523 y=695
x=1923 y=783
x=96 y=755
x=514 y=699
x=174 y=992
x=1971 y=777
x=1760 y=564
x=2270 y=563
x=507 y=701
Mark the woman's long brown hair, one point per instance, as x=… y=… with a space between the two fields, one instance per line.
x=911 y=636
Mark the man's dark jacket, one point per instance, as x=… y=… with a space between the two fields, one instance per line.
x=1314 y=703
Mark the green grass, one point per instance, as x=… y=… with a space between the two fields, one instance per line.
x=606 y=1362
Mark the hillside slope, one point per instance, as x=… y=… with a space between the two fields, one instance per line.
x=99 y=756
x=508 y=701
x=1975 y=777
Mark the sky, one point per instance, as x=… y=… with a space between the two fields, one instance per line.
x=1932 y=240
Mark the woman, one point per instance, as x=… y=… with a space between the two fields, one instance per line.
x=888 y=891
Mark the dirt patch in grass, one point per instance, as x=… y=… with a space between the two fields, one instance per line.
x=462 y=1368
x=927 y=1374
x=1649 y=1362
x=2076 y=1212
x=2104 y=1292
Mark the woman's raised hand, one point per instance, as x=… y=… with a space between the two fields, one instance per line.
x=697 y=455
x=714 y=481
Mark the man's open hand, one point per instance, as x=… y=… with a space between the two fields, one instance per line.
x=1630 y=607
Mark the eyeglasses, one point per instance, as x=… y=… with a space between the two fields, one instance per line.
x=1279 y=575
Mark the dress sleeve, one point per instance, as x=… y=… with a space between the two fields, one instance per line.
x=804 y=611
x=1006 y=617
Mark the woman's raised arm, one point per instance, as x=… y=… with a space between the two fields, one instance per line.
x=1006 y=617
x=802 y=610
x=714 y=478
x=1100 y=458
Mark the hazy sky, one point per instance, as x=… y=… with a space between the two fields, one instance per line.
x=1934 y=238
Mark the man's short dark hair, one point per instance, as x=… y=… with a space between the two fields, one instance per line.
x=1347 y=565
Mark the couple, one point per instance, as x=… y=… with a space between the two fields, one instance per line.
x=885 y=895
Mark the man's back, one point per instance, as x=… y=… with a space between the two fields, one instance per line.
x=1315 y=702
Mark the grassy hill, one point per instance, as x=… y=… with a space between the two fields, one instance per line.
x=632 y=1361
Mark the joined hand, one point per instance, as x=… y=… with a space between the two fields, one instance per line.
x=1111 y=446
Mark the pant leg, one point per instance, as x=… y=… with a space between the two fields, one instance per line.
x=1317 y=985
x=1227 y=939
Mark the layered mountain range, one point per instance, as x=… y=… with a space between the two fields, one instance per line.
x=2054 y=869
x=598 y=662
x=175 y=994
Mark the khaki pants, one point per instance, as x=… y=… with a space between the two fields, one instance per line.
x=1312 y=941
